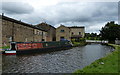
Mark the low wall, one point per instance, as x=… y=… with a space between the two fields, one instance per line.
x=96 y=41
x=117 y=42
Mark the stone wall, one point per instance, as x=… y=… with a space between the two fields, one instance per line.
x=52 y=34
x=65 y=33
x=23 y=33
x=117 y=42
x=68 y=32
x=13 y=30
x=51 y=31
x=7 y=30
x=39 y=35
x=77 y=31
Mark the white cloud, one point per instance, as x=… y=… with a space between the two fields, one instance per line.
x=92 y=15
x=16 y=8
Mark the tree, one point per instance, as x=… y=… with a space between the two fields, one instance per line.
x=110 y=32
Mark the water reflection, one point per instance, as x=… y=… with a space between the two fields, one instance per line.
x=65 y=61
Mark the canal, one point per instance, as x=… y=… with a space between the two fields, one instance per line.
x=66 y=61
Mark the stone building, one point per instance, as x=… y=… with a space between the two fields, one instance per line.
x=51 y=31
x=68 y=33
x=62 y=32
x=14 y=30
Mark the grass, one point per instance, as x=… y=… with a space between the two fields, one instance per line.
x=5 y=47
x=108 y=64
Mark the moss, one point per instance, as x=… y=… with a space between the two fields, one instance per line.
x=110 y=64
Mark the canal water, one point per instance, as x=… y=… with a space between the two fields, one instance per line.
x=65 y=61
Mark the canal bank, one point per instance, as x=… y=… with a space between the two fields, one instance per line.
x=65 y=61
x=107 y=64
x=76 y=44
x=80 y=42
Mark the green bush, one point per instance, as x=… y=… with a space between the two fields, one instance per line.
x=73 y=41
x=82 y=39
x=78 y=42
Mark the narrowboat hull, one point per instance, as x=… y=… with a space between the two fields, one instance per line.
x=36 y=47
x=42 y=50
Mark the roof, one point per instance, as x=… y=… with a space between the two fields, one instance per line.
x=44 y=23
x=19 y=22
x=72 y=26
x=45 y=26
x=77 y=27
x=62 y=26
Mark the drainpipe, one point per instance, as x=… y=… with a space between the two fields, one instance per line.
x=33 y=35
x=42 y=35
x=13 y=33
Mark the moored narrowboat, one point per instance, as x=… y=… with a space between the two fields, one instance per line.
x=36 y=47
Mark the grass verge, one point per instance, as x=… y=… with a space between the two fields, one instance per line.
x=82 y=43
x=108 y=64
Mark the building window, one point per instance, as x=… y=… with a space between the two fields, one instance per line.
x=35 y=32
x=42 y=33
x=79 y=33
x=62 y=30
x=38 y=32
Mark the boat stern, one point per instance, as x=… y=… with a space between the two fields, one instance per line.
x=10 y=52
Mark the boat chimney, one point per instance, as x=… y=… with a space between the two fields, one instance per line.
x=2 y=14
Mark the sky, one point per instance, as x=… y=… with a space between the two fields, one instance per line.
x=91 y=14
